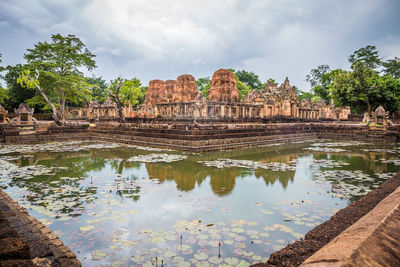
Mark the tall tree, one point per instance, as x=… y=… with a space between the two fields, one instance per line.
x=1 y=61
x=57 y=71
x=125 y=91
x=3 y=92
x=97 y=88
x=18 y=93
x=363 y=89
x=250 y=79
x=315 y=75
x=392 y=67
x=320 y=79
x=368 y=55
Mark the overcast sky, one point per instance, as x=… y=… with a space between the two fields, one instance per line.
x=163 y=39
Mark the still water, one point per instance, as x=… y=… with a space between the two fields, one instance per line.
x=120 y=205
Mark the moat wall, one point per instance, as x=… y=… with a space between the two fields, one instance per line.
x=201 y=136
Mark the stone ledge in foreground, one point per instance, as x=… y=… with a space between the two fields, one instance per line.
x=374 y=240
x=25 y=241
x=296 y=253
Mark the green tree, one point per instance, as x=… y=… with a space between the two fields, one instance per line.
x=131 y=92
x=206 y=89
x=3 y=92
x=17 y=93
x=315 y=75
x=392 y=67
x=301 y=95
x=57 y=71
x=97 y=88
x=242 y=87
x=1 y=61
x=202 y=82
x=368 y=55
x=250 y=79
x=363 y=89
x=320 y=79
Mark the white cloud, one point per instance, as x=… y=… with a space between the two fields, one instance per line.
x=162 y=39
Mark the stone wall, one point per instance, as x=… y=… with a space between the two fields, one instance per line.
x=374 y=240
x=25 y=241
x=203 y=135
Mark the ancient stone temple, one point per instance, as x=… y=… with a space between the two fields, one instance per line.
x=3 y=115
x=169 y=89
x=156 y=93
x=223 y=87
x=185 y=89
x=277 y=101
x=181 y=99
x=24 y=114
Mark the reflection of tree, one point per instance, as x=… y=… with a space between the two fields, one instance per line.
x=77 y=163
x=222 y=181
x=368 y=162
x=270 y=177
x=185 y=173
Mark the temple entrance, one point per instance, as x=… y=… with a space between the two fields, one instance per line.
x=24 y=117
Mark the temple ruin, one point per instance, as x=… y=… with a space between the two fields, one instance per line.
x=23 y=115
x=181 y=99
x=3 y=115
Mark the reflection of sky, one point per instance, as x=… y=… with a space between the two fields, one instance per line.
x=187 y=190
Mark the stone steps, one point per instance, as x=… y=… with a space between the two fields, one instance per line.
x=27 y=132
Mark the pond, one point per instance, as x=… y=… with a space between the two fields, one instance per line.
x=122 y=205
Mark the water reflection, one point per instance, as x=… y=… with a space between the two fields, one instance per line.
x=132 y=208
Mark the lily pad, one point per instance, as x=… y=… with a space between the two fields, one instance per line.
x=86 y=228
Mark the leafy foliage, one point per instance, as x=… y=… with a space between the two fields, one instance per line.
x=392 y=67
x=131 y=91
x=206 y=89
x=363 y=89
x=3 y=92
x=58 y=64
x=320 y=79
x=250 y=79
x=368 y=55
x=97 y=88
x=17 y=93
x=202 y=82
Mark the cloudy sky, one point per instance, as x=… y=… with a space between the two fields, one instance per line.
x=162 y=39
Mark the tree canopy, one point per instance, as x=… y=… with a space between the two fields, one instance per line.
x=131 y=91
x=3 y=92
x=97 y=88
x=370 y=82
x=250 y=79
x=54 y=69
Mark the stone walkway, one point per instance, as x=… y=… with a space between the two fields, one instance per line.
x=25 y=241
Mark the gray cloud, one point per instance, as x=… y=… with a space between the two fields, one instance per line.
x=163 y=39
